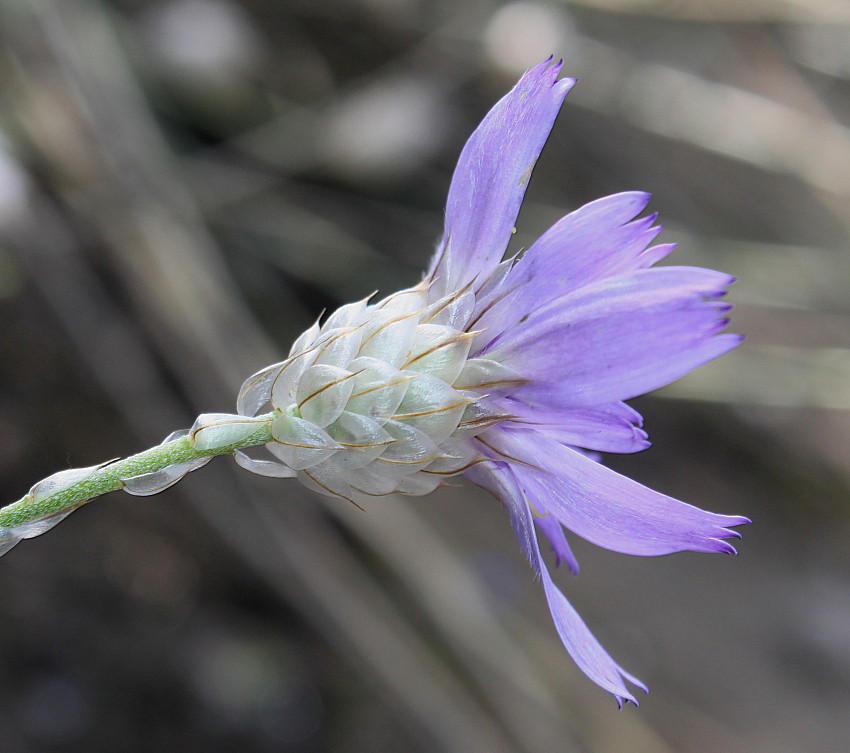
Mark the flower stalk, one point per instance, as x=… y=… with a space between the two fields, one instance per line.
x=148 y=472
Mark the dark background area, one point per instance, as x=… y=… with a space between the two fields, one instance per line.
x=185 y=184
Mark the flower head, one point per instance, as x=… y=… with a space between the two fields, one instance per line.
x=510 y=372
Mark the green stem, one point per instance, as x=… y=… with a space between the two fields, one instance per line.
x=110 y=476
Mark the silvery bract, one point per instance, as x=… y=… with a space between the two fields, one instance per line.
x=508 y=372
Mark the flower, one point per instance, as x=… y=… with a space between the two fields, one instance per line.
x=512 y=373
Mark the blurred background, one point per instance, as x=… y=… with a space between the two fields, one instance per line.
x=185 y=184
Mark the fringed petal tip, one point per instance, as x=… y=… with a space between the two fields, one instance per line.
x=722 y=289
x=632 y=203
x=736 y=520
x=624 y=697
x=641 y=440
x=565 y=84
x=550 y=68
x=724 y=547
x=623 y=700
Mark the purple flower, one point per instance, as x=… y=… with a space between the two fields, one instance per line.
x=512 y=373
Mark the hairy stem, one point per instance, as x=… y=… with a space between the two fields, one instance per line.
x=110 y=476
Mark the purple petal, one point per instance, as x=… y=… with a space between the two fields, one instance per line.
x=654 y=254
x=585 y=650
x=491 y=176
x=590 y=244
x=554 y=531
x=583 y=647
x=606 y=428
x=594 y=242
x=497 y=479
x=604 y=507
x=618 y=338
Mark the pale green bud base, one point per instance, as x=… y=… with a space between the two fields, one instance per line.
x=112 y=475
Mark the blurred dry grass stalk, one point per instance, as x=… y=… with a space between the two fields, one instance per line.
x=179 y=179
